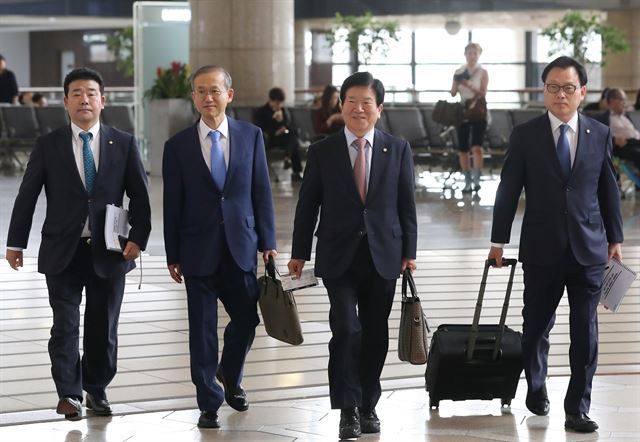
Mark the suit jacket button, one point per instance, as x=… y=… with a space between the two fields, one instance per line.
x=222 y=198
x=364 y=212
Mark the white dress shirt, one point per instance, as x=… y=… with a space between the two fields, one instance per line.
x=353 y=150
x=206 y=142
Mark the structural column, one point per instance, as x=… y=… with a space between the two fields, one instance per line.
x=623 y=70
x=252 y=39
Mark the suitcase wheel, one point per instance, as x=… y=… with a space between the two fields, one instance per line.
x=506 y=402
x=433 y=403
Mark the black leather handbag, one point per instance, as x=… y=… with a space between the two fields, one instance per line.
x=413 y=344
x=278 y=308
x=448 y=114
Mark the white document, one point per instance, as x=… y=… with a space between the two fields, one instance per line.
x=617 y=280
x=290 y=282
x=116 y=226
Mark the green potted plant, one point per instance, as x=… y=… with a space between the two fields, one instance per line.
x=364 y=35
x=574 y=32
x=120 y=43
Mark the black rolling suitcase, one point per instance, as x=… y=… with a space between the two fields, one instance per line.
x=475 y=361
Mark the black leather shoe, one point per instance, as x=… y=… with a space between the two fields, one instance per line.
x=70 y=407
x=369 y=422
x=349 y=424
x=208 y=419
x=236 y=398
x=99 y=407
x=579 y=423
x=538 y=402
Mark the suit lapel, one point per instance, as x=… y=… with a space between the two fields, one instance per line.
x=237 y=149
x=583 y=145
x=64 y=144
x=379 y=152
x=550 y=149
x=343 y=165
x=106 y=152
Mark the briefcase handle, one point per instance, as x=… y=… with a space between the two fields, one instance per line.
x=473 y=334
x=407 y=280
x=270 y=268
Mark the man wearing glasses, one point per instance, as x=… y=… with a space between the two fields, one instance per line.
x=571 y=227
x=218 y=213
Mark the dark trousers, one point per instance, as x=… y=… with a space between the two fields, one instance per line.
x=543 y=288
x=361 y=302
x=238 y=291
x=103 y=299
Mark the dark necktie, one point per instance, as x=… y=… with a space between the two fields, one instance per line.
x=89 y=164
x=360 y=168
x=564 y=154
x=218 y=168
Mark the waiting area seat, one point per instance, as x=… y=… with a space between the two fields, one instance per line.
x=20 y=130
x=119 y=116
x=50 y=118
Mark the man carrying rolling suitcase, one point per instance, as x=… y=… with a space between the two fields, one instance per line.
x=571 y=227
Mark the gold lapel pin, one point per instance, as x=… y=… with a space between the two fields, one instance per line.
x=110 y=141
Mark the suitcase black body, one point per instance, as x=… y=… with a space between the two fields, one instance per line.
x=472 y=361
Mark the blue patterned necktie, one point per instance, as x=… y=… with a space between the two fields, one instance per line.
x=89 y=164
x=564 y=154
x=218 y=168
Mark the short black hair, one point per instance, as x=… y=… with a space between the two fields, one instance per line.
x=276 y=94
x=565 y=62
x=83 y=74
x=37 y=97
x=2 y=58
x=363 y=79
x=615 y=94
x=605 y=93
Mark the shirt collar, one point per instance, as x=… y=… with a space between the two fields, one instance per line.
x=94 y=130
x=351 y=137
x=223 y=129
x=555 y=122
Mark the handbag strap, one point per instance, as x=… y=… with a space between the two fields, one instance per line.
x=270 y=268
x=407 y=280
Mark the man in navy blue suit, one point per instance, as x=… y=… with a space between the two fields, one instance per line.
x=218 y=213
x=83 y=167
x=571 y=227
x=362 y=182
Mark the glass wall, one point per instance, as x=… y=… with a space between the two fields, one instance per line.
x=421 y=64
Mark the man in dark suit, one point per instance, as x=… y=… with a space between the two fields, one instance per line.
x=275 y=121
x=218 y=213
x=571 y=227
x=83 y=167
x=626 y=137
x=362 y=180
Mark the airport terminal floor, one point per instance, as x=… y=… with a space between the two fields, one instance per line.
x=154 y=399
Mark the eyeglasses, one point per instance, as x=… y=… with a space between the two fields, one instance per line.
x=568 y=89
x=204 y=93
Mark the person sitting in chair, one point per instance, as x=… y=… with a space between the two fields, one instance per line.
x=276 y=123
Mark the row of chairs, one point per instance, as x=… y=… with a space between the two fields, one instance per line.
x=21 y=125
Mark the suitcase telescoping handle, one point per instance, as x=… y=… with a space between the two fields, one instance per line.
x=473 y=334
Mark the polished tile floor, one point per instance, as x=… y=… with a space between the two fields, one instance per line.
x=154 y=399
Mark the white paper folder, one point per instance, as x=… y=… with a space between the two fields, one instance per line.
x=617 y=280
x=116 y=228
